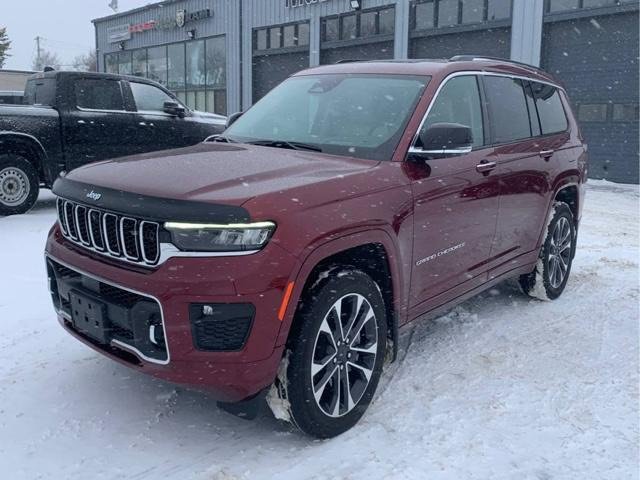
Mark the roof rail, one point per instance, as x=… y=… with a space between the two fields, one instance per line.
x=470 y=58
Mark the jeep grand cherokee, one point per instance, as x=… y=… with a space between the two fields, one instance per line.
x=286 y=256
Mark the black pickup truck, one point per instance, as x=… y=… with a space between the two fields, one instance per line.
x=73 y=118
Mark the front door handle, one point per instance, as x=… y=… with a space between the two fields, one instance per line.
x=485 y=166
x=547 y=154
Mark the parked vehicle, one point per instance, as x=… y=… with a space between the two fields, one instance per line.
x=74 y=118
x=287 y=256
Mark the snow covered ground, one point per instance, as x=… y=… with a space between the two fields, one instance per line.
x=502 y=387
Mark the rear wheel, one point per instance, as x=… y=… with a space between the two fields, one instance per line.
x=549 y=279
x=19 y=185
x=336 y=354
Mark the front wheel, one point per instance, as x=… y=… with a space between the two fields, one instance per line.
x=18 y=185
x=336 y=354
x=548 y=280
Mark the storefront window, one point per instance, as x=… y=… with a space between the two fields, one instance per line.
x=216 y=62
x=111 y=63
x=349 y=27
x=498 y=9
x=124 y=63
x=176 y=66
x=289 y=36
x=140 y=63
x=261 y=39
x=368 y=24
x=424 y=16
x=447 y=13
x=332 y=29
x=274 y=37
x=387 y=21
x=303 y=34
x=472 y=11
x=563 y=5
x=157 y=64
x=195 y=64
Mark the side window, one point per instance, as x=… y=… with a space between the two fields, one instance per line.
x=459 y=102
x=507 y=109
x=550 y=109
x=97 y=94
x=149 y=98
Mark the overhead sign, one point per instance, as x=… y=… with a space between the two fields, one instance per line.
x=180 y=20
x=119 y=33
x=301 y=3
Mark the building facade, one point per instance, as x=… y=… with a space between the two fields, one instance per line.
x=12 y=84
x=223 y=55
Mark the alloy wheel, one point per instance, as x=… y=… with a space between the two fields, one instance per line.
x=559 y=252
x=344 y=355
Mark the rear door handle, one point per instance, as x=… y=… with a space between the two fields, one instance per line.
x=485 y=166
x=547 y=154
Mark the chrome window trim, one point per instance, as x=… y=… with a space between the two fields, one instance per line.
x=466 y=73
x=119 y=343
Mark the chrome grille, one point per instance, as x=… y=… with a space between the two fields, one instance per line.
x=117 y=236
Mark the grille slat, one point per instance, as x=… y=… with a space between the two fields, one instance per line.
x=117 y=236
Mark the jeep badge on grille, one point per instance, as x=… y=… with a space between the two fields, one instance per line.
x=94 y=195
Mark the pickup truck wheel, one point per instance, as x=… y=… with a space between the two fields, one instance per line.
x=548 y=280
x=336 y=357
x=19 y=185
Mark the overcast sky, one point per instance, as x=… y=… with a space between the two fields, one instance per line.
x=65 y=26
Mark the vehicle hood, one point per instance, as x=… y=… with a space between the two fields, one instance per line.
x=210 y=117
x=222 y=173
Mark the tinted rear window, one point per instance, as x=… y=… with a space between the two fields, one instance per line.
x=507 y=109
x=41 y=91
x=550 y=109
x=99 y=94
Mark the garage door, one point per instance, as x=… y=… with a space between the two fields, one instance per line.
x=444 y=28
x=493 y=42
x=597 y=60
x=278 y=53
x=363 y=35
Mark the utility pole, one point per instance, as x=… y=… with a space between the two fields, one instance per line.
x=39 y=54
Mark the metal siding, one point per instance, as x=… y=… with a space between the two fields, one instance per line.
x=597 y=60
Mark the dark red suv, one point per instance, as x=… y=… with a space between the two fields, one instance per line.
x=286 y=256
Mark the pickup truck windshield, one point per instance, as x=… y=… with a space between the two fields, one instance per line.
x=353 y=115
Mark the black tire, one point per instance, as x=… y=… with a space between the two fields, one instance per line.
x=549 y=279
x=19 y=184
x=346 y=286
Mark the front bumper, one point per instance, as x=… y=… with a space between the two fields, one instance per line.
x=163 y=298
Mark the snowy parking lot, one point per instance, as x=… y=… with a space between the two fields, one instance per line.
x=502 y=387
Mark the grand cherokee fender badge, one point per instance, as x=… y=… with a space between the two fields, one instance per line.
x=441 y=253
x=95 y=196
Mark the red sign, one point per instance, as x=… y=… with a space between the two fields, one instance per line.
x=142 y=27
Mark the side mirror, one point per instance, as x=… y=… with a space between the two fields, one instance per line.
x=232 y=118
x=443 y=140
x=174 y=108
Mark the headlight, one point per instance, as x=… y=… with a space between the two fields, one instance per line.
x=202 y=237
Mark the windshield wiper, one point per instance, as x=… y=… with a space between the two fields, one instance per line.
x=223 y=139
x=285 y=144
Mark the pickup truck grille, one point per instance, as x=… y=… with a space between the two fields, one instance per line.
x=117 y=236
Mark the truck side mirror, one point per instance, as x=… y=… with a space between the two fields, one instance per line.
x=232 y=118
x=443 y=140
x=174 y=108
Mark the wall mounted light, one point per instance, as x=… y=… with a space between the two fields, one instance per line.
x=191 y=34
x=356 y=4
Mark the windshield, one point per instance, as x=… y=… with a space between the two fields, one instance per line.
x=353 y=115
